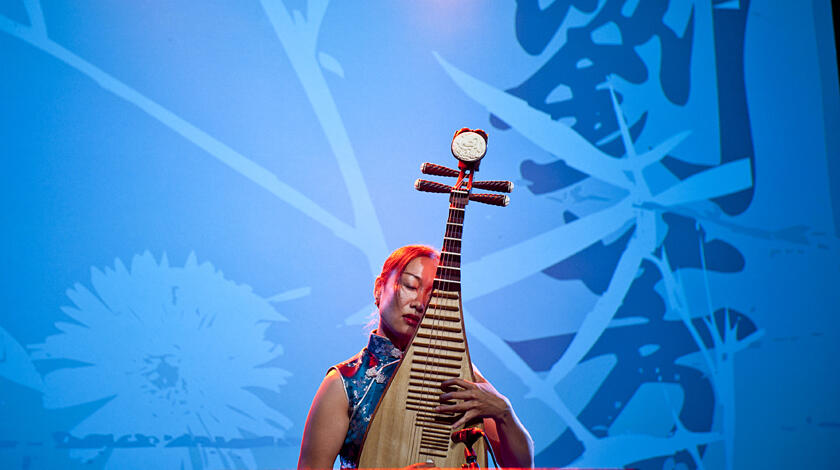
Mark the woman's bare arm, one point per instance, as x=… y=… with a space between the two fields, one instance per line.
x=511 y=442
x=326 y=426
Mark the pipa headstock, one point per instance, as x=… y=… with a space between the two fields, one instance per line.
x=468 y=146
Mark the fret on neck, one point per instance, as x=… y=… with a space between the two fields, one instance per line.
x=448 y=274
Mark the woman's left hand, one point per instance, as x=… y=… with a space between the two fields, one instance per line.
x=478 y=400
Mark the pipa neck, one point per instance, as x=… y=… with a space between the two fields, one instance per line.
x=448 y=277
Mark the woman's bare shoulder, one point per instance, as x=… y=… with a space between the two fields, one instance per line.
x=332 y=390
x=326 y=424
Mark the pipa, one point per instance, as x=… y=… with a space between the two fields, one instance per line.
x=405 y=428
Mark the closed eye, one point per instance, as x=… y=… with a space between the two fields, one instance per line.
x=409 y=281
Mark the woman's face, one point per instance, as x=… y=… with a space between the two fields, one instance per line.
x=403 y=300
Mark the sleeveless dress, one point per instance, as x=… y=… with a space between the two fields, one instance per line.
x=365 y=376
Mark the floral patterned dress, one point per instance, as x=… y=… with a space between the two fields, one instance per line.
x=365 y=376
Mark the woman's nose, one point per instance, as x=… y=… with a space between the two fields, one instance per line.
x=423 y=298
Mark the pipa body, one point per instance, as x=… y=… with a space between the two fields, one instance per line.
x=405 y=429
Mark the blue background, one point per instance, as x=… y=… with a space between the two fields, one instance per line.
x=197 y=197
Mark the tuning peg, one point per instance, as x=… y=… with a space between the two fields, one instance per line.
x=437 y=170
x=499 y=186
x=431 y=186
x=492 y=199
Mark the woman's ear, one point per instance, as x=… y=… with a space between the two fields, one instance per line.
x=377 y=290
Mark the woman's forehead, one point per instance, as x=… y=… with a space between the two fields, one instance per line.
x=419 y=266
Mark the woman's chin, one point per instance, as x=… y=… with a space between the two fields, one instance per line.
x=407 y=333
x=401 y=334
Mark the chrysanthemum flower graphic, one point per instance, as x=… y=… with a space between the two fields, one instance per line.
x=170 y=351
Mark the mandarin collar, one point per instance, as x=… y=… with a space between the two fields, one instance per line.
x=383 y=348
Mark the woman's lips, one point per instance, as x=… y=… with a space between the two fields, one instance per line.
x=412 y=320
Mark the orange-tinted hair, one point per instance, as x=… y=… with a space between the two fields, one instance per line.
x=397 y=261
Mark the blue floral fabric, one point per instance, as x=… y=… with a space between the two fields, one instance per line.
x=365 y=376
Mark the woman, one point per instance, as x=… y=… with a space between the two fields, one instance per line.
x=344 y=403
